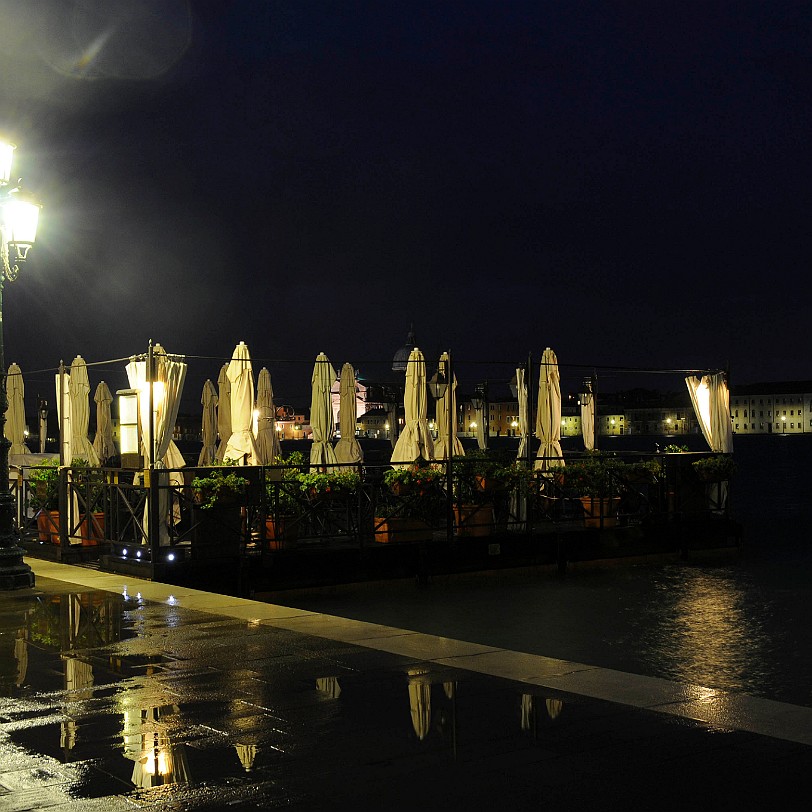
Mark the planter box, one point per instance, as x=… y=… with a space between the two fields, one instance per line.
x=48 y=525
x=90 y=531
x=596 y=507
x=217 y=532
x=399 y=529
x=281 y=534
x=473 y=520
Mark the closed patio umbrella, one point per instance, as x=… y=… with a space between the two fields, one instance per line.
x=321 y=412
x=548 y=419
x=79 y=388
x=241 y=445
x=415 y=441
x=348 y=449
x=588 y=416
x=223 y=411
x=268 y=448
x=103 y=442
x=448 y=401
x=518 y=499
x=15 y=415
x=208 y=454
x=524 y=414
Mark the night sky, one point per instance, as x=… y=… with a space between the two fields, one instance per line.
x=626 y=182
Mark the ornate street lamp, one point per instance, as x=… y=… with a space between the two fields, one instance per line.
x=480 y=403
x=18 y=230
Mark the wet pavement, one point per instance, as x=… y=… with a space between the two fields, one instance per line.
x=120 y=694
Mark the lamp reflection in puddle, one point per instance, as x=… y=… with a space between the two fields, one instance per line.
x=146 y=742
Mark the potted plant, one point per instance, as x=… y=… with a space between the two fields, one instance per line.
x=323 y=484
x=479 y=479
x=43 y=496
x=718 y=468
x=282 y=489
x=218 y=512
x=417 y=488
x=420 y=478
x=218 y=488
x=89 y=482
x=595 y=479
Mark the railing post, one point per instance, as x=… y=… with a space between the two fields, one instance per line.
x=65 y=508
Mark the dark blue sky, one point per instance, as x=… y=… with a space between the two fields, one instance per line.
x=627 y=182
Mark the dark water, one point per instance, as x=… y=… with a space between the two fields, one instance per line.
x=743 y=625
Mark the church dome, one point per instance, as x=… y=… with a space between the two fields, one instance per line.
x=401 y=359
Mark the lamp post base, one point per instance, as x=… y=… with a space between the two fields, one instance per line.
x=14 y=572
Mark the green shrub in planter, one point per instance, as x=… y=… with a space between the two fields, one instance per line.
x=716 y=468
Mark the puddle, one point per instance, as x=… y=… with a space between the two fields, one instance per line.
x=107 y=697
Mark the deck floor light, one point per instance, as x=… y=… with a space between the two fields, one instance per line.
x=19 y=216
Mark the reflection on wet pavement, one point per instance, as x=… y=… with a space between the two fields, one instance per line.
x=108 y=695
x=145 y=705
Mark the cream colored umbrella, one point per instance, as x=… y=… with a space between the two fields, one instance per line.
x=208 y=454
x=446 y=402
x=548 y=419
x=588 y=416
x=79 y=388
x=223 y=411
x=15 y=415
x=348 y=449
x=103 y=441
x=268 y=447
x=524 y=414
x=241 y=445
x=321 y=412
x=518 y=499
x=415 y=440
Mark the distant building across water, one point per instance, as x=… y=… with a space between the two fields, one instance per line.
x=783 y=407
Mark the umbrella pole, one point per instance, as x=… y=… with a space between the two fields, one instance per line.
x=153 y=524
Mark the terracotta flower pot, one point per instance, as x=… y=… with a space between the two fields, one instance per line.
x=596 y=507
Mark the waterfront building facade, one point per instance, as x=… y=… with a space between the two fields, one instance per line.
x=783 y=407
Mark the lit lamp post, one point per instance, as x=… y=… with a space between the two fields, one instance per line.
x=441 y=382
x=18 y=229
x=43 y=424
x=480 y=403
